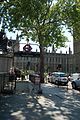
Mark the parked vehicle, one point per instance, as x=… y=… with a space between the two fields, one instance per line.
x=75 y=81
x=59 y=78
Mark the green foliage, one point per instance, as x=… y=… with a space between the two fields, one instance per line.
x=39 y=20
x=70 y=13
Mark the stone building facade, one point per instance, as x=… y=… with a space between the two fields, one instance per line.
x=77 y=55
x=6 y=58
x=5 y=63
x=52 y=61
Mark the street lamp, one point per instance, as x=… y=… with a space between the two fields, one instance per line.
x=28 y=48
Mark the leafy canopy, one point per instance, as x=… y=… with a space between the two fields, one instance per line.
x=70 y=13
x=39 y=20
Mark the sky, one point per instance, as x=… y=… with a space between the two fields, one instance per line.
x=68 y=44
x=34 y=47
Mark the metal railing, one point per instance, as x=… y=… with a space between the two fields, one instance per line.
x=5 y=83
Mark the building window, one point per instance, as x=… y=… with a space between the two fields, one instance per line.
x=53 y=59
x=50 y=60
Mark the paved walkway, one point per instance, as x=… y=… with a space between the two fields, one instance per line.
x=54 y=104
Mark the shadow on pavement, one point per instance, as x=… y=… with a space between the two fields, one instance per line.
x=54 y=104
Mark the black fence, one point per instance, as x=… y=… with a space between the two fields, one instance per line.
x=7 y=82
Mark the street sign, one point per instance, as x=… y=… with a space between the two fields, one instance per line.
x=27 y=48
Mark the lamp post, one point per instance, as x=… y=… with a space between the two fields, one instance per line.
x=41 y=66
x=27 y=48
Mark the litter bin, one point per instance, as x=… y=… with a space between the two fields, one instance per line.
x=34 y=78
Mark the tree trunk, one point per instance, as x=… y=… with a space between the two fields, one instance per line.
x=41 y=64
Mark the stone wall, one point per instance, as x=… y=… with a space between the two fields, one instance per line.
x=5 y=63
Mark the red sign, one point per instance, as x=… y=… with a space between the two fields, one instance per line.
x=27 y=48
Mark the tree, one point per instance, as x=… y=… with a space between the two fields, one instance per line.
x=70 y=13
x=38 y=20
